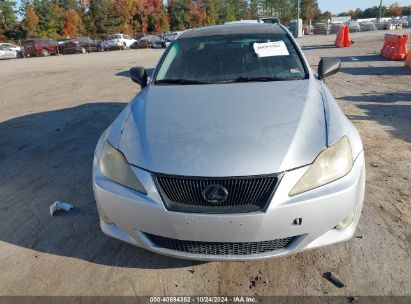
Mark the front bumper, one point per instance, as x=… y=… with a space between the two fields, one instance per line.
x=128 y=216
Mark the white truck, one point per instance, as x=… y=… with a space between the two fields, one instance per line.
x=116 y=41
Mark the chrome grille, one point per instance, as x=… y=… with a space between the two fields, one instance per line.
x=220 y=248
x=245 y=194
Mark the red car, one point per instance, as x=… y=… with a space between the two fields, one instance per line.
x=40 y=47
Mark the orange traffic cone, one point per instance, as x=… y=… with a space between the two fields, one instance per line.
x=346 y=37
x=339 y=40
x=408 y=61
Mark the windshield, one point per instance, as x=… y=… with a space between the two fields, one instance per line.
x=231 y=58
x=111 y=37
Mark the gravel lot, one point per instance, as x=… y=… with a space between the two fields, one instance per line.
x=52 y=111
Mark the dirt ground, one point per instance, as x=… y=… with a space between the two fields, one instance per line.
x=52 y=111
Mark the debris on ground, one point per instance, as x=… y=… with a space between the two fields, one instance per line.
x=333 y=279
x=254 y=282
x=58 y=205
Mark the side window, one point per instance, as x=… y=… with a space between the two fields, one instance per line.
x=126 y=37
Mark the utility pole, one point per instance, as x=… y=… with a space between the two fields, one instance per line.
x=297 y=27
x=379 y=14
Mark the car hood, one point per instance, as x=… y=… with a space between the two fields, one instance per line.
x=225 y=129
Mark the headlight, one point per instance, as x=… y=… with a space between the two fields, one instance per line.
x=330 y=165
x=114 y=166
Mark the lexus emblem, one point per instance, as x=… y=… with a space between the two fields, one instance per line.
x=215 y=194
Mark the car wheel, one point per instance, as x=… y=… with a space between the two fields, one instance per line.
x=45 y=52
x=124 y=46
x=100 y=49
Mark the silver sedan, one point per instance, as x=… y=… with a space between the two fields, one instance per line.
x=233 y=150
x=7 y=53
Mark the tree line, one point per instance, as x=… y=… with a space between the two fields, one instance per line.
x=394 y=10
x=97 y=18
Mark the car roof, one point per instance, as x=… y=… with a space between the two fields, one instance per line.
x=233 y=29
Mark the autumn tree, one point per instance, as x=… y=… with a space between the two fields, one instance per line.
x=68 y=5
x=394 y=10
x=30 y=22
x=226 y=11
x=100 y=18
x=126 y=10
x=159 y=21
x=198 y=15
x=310 y=10
x=211 y=11
x=73 y=23
x=240 y=8
x=179 y=14
x=254 y=9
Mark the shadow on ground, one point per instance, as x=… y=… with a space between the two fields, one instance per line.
x=388 y=109
x=373 y=70
x=362 y=58
x=380 y=97
x=46 y=157
x=318 y=47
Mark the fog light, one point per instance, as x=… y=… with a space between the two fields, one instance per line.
x=103 y=217
x=346 y=222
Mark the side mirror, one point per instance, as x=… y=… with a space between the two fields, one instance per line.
x=328 y=67
x=139 y=75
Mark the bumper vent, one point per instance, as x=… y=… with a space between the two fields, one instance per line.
x=216 y=248
x=243 y=194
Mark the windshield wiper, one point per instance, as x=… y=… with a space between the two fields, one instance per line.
x=180 y=81
x=257 y=79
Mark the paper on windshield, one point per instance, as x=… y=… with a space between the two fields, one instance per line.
x=270 y=49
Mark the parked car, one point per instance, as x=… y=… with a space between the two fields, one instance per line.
x=354 y=27
x=7 y=53
x=368 y=26
x=12 y=47
x=168 y=38
x=400 y=23
x=71 y=47
x=87 y=43
x=335 y=27
x=149 y=41
x=384 y=25
x=40 y=47
x=116 y=41
x=233 y=150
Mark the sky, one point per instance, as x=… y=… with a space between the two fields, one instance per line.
x=339 y=6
